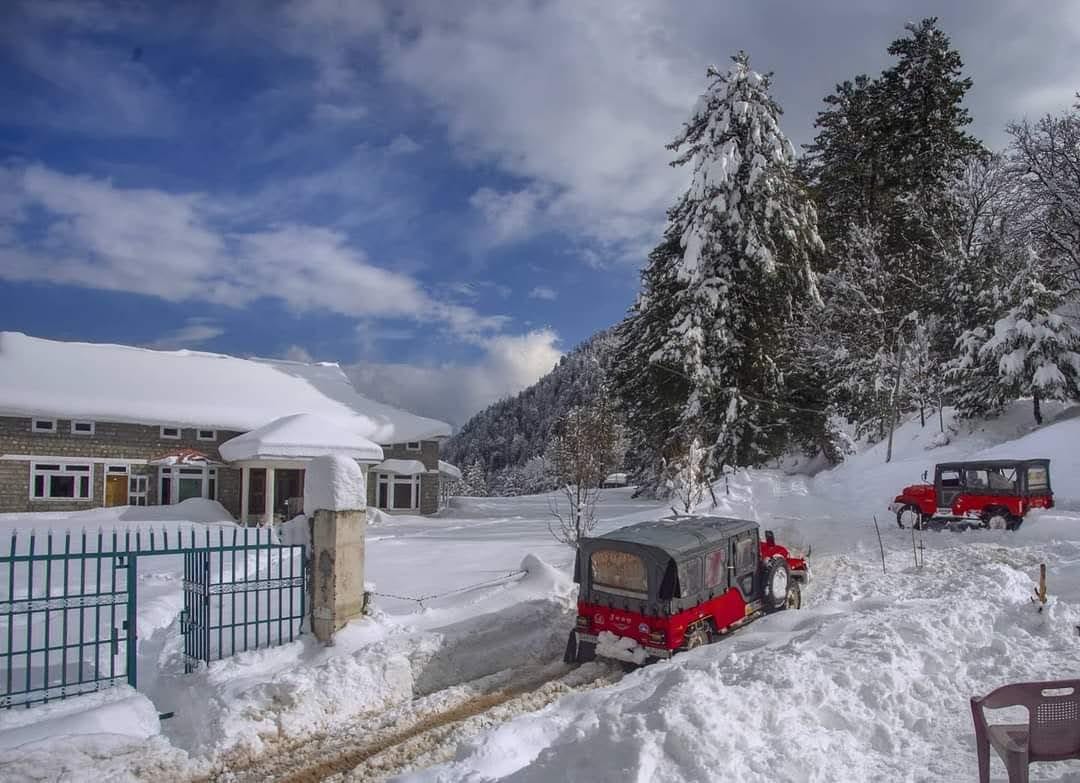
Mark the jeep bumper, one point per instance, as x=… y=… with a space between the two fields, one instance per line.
x=602 y=652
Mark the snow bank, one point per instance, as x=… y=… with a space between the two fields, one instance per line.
x=334 y=483
x=197 y=510
x=120 y=711
x=871 y=682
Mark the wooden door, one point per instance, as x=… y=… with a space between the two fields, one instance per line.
x=116 y=490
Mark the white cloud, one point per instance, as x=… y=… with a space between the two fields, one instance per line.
x=403 y=145
x=510 y=216
x=90 y=233
x=339 y=114
x=454 y=392
x=544 y=292
x=298 y=353
x=83 y=84
x=195 y=331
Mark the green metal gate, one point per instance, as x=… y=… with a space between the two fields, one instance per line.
x=68 y=603
x=242 y=592
x=67 y=616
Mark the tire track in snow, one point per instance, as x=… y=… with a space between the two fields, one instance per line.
x=421 y=734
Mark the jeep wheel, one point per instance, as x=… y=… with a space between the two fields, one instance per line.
x=910 y=516
x=794 y=597
x=697 y=637
x=777 y=583
x=999 y=519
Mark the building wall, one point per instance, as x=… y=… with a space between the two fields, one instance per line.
x=111 y=440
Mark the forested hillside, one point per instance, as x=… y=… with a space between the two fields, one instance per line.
x=515 y=430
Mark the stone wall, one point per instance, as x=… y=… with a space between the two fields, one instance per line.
x=111 y=440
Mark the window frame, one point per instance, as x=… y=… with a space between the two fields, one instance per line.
x=76 y=422
x=138 y=489
x=211 y=439
x=389 y=481
x=410 y=447
x=51 y=430
x=76 y=470
x=179 y=432
x=173 y=474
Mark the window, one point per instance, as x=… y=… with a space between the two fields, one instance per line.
x=746 y=554
x=976 y=479
x=412 y=445
x=170 y=433
x=43 y=425
x=690 y=577
x=1037 y=479
x=398 y=493
x=82 y=427
x=206 y=434
x=1003 y=479
x=137 y=490
x=60 y=481
x=950 y=478
x=619 y=572
x=716 y=568
x=177 y=484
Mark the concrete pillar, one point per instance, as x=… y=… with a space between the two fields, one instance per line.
x=245 y=493
x=268 y=511
x=337 y=570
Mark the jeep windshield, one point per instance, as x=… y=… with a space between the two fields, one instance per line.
x=620 y=573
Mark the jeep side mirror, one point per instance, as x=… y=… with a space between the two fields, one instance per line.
x=770 y=539
x=924 y=474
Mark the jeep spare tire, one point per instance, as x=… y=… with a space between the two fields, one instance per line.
x=777 y=581
x=910 y=516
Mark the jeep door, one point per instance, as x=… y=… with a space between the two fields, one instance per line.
x=745 y=559
x=948 y=484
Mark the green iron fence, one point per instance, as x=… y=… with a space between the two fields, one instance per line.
x=244 y=593
x=68 y=603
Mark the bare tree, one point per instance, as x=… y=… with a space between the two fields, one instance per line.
x=1046 y=154
x=688 y=478
x=584 y=448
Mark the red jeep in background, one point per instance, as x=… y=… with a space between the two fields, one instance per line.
x=987 y=493
x=649 y=590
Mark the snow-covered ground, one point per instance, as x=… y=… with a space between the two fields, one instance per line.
x=869 y=681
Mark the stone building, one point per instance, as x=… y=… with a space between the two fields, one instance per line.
x=85 y=425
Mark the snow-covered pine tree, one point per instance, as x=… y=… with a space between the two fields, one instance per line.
x=474 y=480
x=723 y=289
x=1033 y=349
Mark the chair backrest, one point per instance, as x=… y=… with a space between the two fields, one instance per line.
x=1053 y=713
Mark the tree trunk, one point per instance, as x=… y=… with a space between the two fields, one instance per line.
x=896 y=403
x=1036 y=408
x=922 y=415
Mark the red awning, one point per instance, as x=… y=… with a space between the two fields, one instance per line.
x=183 y=457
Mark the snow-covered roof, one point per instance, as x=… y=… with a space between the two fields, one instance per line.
x=453 y=471
x=403 y=467
x=302 y=435
x=120 y=383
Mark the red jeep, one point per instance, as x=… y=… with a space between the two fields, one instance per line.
x=650 y=590
x=988 y=493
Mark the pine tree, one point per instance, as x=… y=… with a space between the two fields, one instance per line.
x=885 y=167
x=474 y=480
x=1032 y=350
x=723 y=289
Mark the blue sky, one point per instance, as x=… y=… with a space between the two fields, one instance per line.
x=446 y=194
